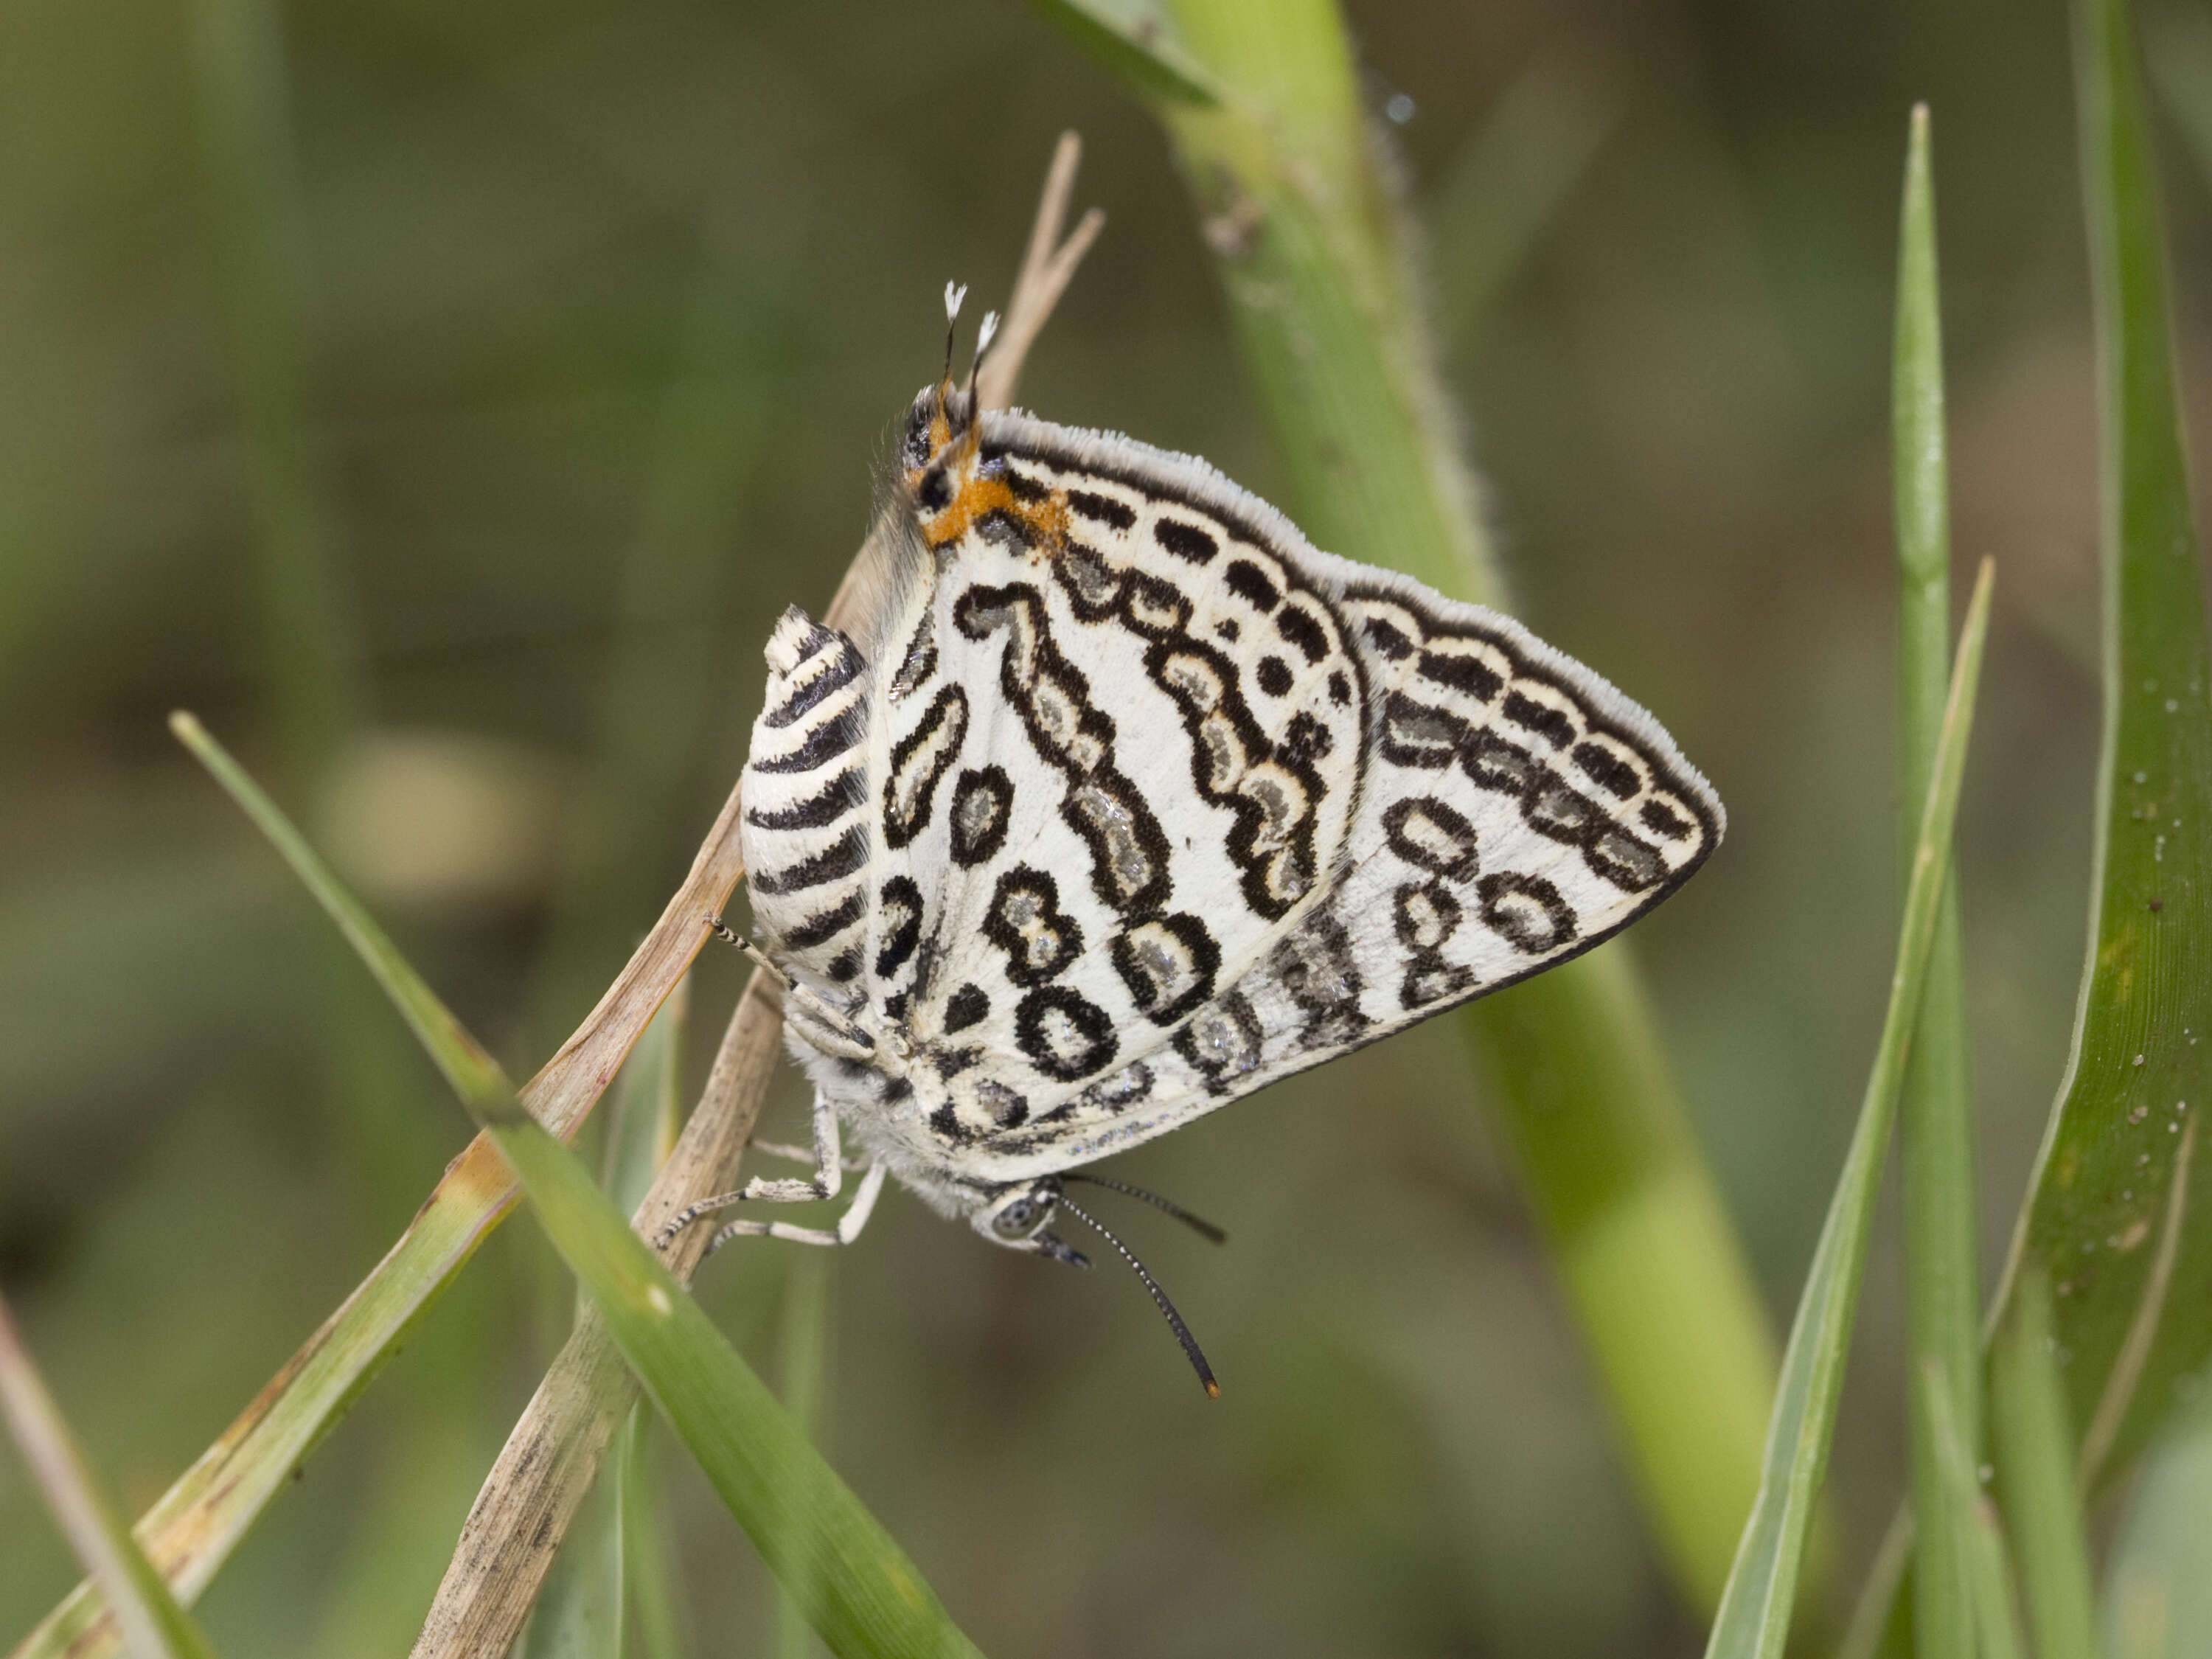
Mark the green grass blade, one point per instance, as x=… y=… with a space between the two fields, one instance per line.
x=2111 y=1213
x=579 y=1608
x=528 y=1498
x=1988 y=1569
x=2036 y=1463
x=154 y=1626
x=474 y=1075
x=582 y=1608
x=1137 y=42
x=242 y=93
x=858 y=1590
x=1754 y=1613
x=805 y=1343
x=1519 y=168
x=1328 y=311
x=2180 y=42
x=654 y=1621
x=647 y=1105
x=1935 y=1131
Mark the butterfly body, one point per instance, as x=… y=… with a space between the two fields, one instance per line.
x=1124 y=801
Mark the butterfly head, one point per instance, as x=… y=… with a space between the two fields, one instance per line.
x=1017 y=1219
x=942 y=439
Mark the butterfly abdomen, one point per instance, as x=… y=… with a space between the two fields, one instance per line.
x=807 y=840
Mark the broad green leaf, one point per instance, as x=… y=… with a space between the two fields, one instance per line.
x=1755 y=1607
x=1935 y=1131
x=154 y=1626
x=2116 y=1216
x=858 y=1588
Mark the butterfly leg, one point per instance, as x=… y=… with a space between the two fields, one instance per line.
x=846 y=1230
x=829 y=1173
x=791 y=1154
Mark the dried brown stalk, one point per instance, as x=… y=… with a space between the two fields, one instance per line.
x=1046 y=270
x=192 y=1528
x=523 y=1511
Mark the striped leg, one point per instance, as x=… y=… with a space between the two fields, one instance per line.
x=791 y=1154
x=828 y=1175
x=846 y=1230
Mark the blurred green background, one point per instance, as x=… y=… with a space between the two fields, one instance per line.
x=452 y=458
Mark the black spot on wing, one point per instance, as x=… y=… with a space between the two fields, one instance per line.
x=966 y=1006
x=1461 y=672
x=1185 y=541
x=901 y=907
x=1528 y=911
x=1388 y=639
x=1294 y=624
x=1102 y=509
x=1548 y=723
x=1003 y=529
x=982 y=807
x=1249 y=583
x=1064 y=1036
x=1024 y=488
x=1606 y=770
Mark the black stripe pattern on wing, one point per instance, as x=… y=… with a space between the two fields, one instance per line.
x=807 y=844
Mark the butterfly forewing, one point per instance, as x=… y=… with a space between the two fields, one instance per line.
x=1160 y=732
x=1161 y=803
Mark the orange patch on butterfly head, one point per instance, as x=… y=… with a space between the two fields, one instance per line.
x=953 y=491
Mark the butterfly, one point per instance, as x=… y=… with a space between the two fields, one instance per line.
x=1124 y=801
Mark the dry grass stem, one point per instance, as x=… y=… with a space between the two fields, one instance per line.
x=1046 y=270
x=524 y=1509
x=528 y=1501
x=192 y=1528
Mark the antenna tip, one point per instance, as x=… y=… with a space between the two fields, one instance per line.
x=1212 y=1388
x=987 y=333
x=954 y=294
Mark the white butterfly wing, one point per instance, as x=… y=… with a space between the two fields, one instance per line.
x=1134 y=802
x=1113 y=773
x=1504 y=807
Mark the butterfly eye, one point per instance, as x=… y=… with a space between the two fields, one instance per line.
x=1023 y=1216
x=917 y=430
